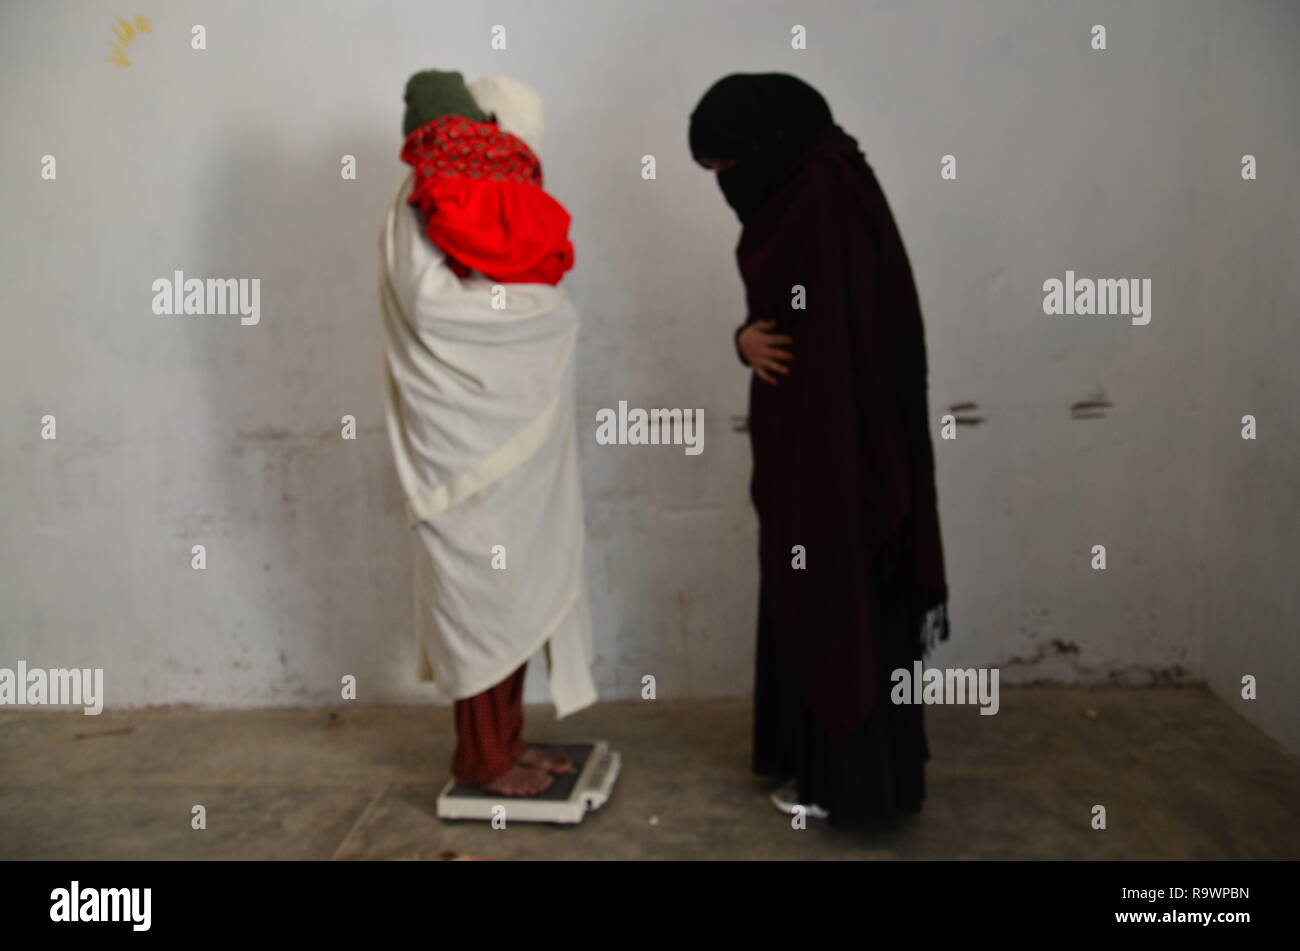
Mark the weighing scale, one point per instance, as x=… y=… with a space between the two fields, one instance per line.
x=566 y=801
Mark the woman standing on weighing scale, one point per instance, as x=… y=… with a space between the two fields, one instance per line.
x=479 y=351
x=852 y=581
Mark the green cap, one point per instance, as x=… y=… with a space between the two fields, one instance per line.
x=434 y=93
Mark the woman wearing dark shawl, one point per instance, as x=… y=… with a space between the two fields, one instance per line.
x=851 y=563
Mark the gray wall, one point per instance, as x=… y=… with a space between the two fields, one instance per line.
x=1249 y=520
x=225 y=163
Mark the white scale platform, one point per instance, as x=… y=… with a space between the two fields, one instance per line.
x=567 y=800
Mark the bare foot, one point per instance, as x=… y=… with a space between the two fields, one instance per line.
x=539 y=757
x=520 y=780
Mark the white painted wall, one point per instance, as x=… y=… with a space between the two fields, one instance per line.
x=1250 y=520
x=178 y=431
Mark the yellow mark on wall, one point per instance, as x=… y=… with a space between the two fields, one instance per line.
x=125 y=32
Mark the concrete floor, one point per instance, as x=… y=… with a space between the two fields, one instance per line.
x=1181 y=777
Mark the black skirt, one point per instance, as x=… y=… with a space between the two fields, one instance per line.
x=879 y=773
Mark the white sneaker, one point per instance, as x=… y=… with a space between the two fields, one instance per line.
x=786 y=798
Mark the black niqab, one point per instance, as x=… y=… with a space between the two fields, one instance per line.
x=765 y=122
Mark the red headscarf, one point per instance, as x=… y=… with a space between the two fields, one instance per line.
x=480 y=191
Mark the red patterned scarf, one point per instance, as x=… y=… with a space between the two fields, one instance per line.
x=480 y=192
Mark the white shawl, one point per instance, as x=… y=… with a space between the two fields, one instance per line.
x=481 y=421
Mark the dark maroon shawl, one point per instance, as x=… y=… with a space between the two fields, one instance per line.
x=843 y=462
